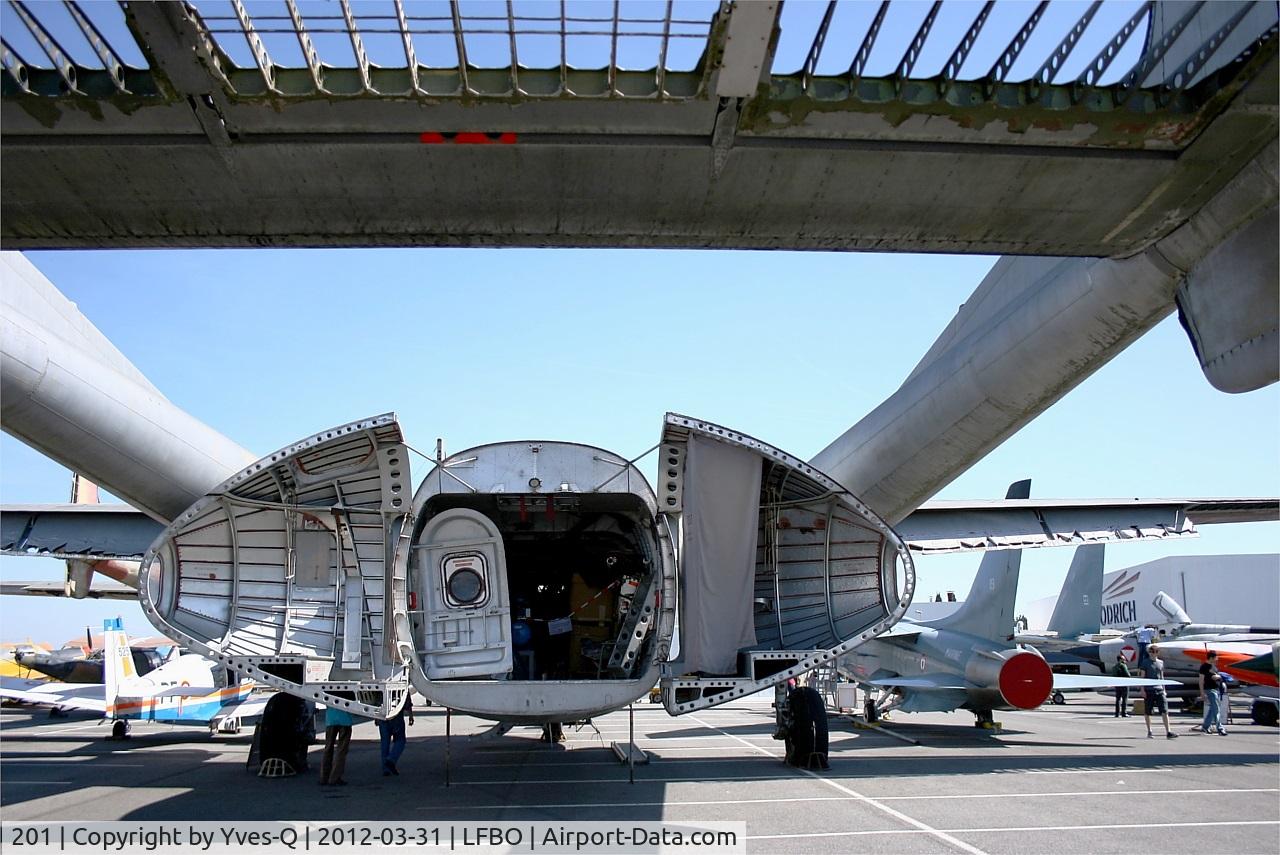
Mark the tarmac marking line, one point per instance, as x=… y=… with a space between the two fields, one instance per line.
x=67 y=763
x=899 y=815
x=623 y=780
x=615 y=805
x=1020 y=829
x=683 y=802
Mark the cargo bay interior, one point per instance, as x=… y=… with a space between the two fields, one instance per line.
x=575 y=565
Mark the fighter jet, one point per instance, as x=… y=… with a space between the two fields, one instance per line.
x=966 y=660
x=188 y=689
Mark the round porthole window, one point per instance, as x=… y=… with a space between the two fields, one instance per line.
x=465 y=586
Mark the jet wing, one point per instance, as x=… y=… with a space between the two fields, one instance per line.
x=1082 y=681
x=45 y=588
x=934 y=681
x=74 y=696
x=948 y=526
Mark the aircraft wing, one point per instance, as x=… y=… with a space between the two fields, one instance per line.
x=1082 y=681
x=45 y=588
x=948 y=526
x=936 y=681
x=254 y=705
x=74 y=696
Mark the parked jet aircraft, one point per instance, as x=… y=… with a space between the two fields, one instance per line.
x=537 y=581
x=186 y=690
x=965 y=660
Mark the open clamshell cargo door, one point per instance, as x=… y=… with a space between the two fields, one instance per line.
x=781 y=569
x=285 y=571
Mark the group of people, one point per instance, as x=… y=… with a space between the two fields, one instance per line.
x=1213 y=690
x=337 y=741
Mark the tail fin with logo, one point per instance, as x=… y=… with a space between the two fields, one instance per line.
x=988 y=610
x=118 y=667
x=1078 y=610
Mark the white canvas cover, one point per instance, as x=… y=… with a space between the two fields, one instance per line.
x=721 y=519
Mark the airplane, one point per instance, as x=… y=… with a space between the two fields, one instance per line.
x=188 y=689
x=321 y=570
x=1182 y=628
x=73 y=665
x=967 y=660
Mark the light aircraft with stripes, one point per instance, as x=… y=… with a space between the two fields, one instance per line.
x=189 y=689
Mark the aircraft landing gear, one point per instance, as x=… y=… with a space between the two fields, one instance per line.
x=1058 y=698
x=1265 y=712
x=805 y=726
x=870 y=711
x=985 y=719
x=119 y=729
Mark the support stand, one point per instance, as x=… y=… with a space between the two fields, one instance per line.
x=628 y=753
x=448 y=727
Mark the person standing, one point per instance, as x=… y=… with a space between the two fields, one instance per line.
x=1154 y=696
x=1121 y=669
x=1211 y=684
x=392 y=738
x=1145 y=636
x=337 y=739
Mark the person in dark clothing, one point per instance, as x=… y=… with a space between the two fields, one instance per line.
x=392 y=738
x=1121 y=669
x=1211 y=685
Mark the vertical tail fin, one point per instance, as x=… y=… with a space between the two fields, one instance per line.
x=1078 y=610
x=988 y=610
x=118 y=661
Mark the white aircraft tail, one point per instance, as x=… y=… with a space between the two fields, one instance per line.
x=1169 y=607
x=117 y=665
x=988 y=610
x=1078 y=610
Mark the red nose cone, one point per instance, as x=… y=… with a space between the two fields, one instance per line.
x=1025 y=680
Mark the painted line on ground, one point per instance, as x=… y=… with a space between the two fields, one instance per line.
x=623 y=780
x=703 y=803
x=87 y=762
x=1019 y=829
x=902 y=817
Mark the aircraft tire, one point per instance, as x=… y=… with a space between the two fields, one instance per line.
x=808 y=736
x=120 y=729
x=1265 y=713
x=872 y=714
x=1058 y=698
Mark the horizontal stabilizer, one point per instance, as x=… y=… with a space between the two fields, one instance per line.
x=87 y=532
x=1084 y=681
x=950 y=526
x=44 y=588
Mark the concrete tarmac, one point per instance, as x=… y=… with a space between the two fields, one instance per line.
x=1059 y=779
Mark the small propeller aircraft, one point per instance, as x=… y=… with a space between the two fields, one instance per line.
x=188 y=689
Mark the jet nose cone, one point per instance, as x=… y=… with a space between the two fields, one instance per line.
x=1025 y=680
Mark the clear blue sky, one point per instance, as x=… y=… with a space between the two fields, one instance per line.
x=477 y=346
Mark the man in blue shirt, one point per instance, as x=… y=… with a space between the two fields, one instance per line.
x=337 y=739
x=393 y=739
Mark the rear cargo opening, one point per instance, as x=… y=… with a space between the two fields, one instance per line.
x=576 y=566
